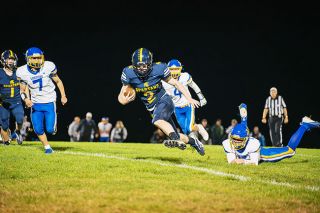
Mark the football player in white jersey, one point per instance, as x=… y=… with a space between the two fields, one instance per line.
x=242 y=149
x=38 y=75
x=183 y=109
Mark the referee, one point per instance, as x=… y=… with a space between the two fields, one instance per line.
x=278 y=113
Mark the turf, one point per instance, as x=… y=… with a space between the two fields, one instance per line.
x=132 y=177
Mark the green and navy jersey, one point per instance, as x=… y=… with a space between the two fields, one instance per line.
x=9 y=88
x=150 y=89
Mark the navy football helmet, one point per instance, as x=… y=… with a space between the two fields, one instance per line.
x=35 y=57
x=9 y=54
x=142 y=62
x=239 y=136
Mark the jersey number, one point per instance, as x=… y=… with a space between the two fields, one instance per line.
x=177 y=92
x=12 y=89
x=40 y=83
x=150 y=96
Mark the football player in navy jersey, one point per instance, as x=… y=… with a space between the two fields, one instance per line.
x=10 y=96
x=145 y=77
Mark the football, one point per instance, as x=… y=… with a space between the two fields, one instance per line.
x=129 y=90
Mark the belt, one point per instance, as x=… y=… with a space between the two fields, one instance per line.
x=183 y=106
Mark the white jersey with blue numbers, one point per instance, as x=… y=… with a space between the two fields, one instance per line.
x=40 y=84
x=250 y=153
x=178 y=98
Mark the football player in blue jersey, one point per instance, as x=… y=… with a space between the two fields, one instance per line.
x=242 y=149
x=10 y=94
x=145 y=77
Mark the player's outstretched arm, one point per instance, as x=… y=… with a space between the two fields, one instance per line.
x=59 y=83
x=125 y=99
x=197 y=90
x=181 y=88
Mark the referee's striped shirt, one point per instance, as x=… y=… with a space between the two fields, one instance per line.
x=275 y=106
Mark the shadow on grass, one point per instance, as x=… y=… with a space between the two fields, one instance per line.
x=167 y=159
x=56 y=148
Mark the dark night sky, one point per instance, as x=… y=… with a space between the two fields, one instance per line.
x=234 y=51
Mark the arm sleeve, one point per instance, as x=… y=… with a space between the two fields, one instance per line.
x=124 y=78
x=53 y=69
x=70 y=129
x=195 y=88
x=112 y=134
x=266 y=106
x=231 y=157
x=125 y=133
x=283 y=104
x=254 y=158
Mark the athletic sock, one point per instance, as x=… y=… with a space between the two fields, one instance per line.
x=191 y=141
x=47 y=147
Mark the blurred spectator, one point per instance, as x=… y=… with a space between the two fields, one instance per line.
x=217 y=132
x=230 y=128
x=257 y=135
x=206 y=126
x=158 y=136
x=119 y=133
x=26 y=125
x=104 y=129
x=86 y=127
x=72 y=130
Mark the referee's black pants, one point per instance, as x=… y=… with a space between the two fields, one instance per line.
x=275 y=129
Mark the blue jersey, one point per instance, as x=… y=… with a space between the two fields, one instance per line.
x=9 y=88
x=149 y=90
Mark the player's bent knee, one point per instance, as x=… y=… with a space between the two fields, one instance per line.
x=51 y=131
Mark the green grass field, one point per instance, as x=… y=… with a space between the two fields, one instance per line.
x=130 y=177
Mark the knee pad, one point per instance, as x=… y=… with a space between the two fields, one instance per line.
x=174 y=136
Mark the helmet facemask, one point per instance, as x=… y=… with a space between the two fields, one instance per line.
x=238 y=142
x=175 y=72
x=142 y=69
x=35 y=61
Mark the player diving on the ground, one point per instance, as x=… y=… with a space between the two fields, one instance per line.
x=183 y=109
x=242 y=149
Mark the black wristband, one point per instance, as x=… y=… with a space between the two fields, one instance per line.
x=23 y=96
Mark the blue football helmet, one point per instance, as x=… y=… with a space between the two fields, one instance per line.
x=239 y=136
x=142 y=62
x=9 y=54
x=35 y=57
x=175 y=68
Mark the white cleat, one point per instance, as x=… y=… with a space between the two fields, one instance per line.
x=203 y=132
x=308 y=122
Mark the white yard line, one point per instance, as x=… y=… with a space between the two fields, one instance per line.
x=195 y=168
x=306 y=155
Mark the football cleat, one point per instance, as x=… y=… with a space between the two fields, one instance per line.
x=7 y=143
x=175 y=143
x=48 y=151
x=198 y=146
x=309 y=123
x=203 y=132
x=19 y=138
